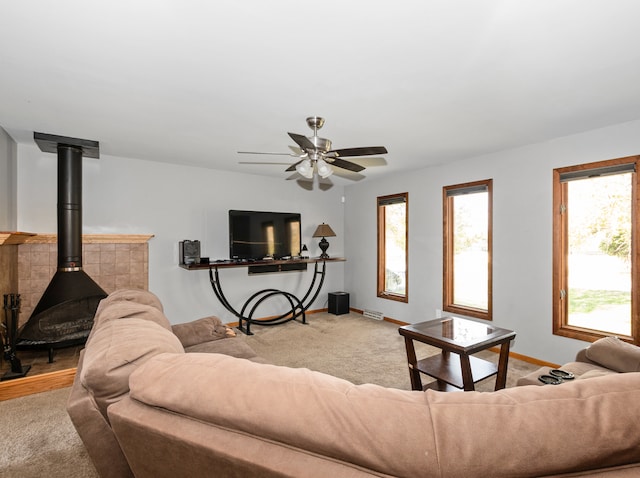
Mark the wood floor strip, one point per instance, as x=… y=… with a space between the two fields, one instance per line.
x=20 y=387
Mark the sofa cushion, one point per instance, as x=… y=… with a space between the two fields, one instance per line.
x=199 y=331
x=539 y=431
x=117 y=348
x=597 y=372
x=615 y=354
x=130 y=310
x=361 y=424
x=533 y=431
x=578 y=369
x=232 y=346
x=139 y=296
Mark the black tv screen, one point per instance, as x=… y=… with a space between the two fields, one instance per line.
x=260 y=234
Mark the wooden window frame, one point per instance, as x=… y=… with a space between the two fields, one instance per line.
x=448 y=304
x=561 y=250
x=381 y=292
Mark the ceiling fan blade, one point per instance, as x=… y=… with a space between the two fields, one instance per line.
x=259 y=152
x=261 y=162
x=302 y=141
x=365 y=151
x=293 y=166
x=344 y=164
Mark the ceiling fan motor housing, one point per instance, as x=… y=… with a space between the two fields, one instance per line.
x=321 y=144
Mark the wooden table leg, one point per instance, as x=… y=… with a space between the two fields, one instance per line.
x=442 y=385
x=467 y=376
x=503 y=362
x=414 y=375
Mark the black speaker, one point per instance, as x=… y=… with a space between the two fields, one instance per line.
x=338 y=303
x=189 y=252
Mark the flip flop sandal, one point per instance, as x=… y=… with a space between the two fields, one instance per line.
x=562 y=374
x=550 y=380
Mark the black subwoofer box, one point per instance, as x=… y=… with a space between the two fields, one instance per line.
x=338 y=303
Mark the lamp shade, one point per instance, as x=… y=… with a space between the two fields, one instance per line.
x=324 y=230
x=305 y=168
x=324 y=170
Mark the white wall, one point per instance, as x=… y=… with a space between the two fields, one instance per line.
x=8 y=193
x=522 y=233
x=129 y=196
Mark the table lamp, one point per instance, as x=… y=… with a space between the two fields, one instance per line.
x=324 y=230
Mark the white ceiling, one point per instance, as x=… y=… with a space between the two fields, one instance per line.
x=193 y=82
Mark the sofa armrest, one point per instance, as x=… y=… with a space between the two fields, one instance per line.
x=95 y=432
x=201 y=330
x=614 y=354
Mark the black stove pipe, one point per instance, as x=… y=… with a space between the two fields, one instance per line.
x=69 y=208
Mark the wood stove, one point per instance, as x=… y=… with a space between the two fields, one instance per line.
x=64 y=314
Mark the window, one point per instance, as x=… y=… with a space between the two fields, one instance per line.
x=467 y=240
x=393 y=230
x=595 y=253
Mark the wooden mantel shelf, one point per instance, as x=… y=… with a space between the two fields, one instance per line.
x=14 y=237
x=7 y=238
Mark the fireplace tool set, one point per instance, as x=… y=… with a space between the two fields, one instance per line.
x=9 y=335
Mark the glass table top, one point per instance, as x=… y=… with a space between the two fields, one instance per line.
x=456 y=330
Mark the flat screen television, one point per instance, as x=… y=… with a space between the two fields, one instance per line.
x=259 y=234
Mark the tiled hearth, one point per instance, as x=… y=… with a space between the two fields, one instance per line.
x=112 y=261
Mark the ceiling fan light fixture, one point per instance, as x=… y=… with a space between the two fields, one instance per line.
x=315 y=154
x=305 y=168
x=324 y=170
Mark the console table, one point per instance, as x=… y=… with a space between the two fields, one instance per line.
x=298 y=307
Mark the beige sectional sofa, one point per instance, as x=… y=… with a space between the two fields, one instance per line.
x=211 y=414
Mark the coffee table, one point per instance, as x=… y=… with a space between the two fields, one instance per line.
x=455 y=368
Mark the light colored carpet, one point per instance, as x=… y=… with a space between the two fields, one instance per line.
x=355 y=348
x=38 y=439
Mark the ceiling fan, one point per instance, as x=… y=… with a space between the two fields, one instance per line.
x=316 y=153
